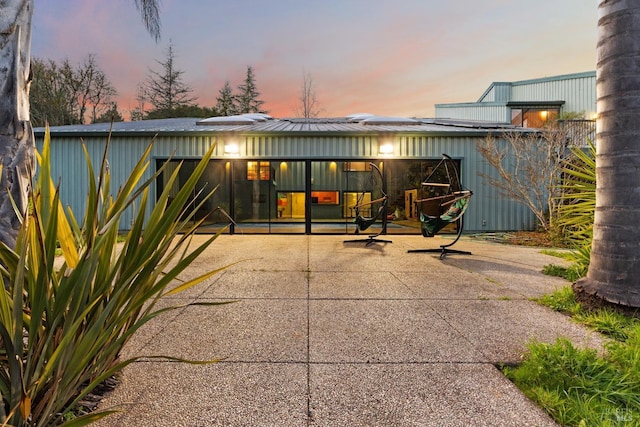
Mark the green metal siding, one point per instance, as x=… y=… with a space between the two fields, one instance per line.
x=497 y=92
x=490 y=112
x=314 y=146
x=578 y=92
x=489 y=210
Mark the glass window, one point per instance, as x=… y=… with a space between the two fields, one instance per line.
x=356 y=166
x=516 y=116
x=533 y=117
x=351 y=200
x=258 y=171
x=324 y=197
x=214 y=211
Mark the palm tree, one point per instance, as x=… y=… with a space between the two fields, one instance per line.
x=16 y=134
x=614 y=268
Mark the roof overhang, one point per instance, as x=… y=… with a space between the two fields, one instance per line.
x=535 y=104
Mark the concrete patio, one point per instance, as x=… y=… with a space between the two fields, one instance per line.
x=327 y=333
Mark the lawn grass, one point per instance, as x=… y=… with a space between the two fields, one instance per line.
x=579 y=387
x=558 y=254
x=562 y=300
x=571 y=273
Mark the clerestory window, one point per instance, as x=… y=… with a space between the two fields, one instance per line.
x=533 y=117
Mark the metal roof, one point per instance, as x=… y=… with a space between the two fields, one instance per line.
x=248 y=123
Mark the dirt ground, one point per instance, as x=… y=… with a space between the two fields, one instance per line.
x=523 y=238
x=530 y=238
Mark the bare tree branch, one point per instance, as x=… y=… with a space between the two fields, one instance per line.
x=528 y=166
x=308 y=106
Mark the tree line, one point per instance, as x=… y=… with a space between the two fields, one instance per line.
x=67 y=94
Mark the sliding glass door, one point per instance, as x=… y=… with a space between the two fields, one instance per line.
x=323 y=197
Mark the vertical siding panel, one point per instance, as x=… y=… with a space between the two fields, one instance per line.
x=487 y=204
x=480 y=111
x=578 y=92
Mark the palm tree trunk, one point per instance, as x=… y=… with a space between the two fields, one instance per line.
x=16 y=134
x=614 y=270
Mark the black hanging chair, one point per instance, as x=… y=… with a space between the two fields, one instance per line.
x=377 y=208
x=442 y=189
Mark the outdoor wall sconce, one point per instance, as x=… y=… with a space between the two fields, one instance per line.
x=386 y=149
x=231 y=149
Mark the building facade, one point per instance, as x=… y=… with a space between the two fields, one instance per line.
x=307 y=175
x=530 y=103
x=293 y=175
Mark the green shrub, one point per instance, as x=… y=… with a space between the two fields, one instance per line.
x=62 y=329
x=578 y=204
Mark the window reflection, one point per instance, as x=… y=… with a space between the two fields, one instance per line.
x=533 y=117
x=258 y=171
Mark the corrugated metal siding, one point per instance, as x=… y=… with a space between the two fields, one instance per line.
x=489 y=95
x=69 y=165
x=502 y=92
x=312 y=146
x=497 y=92
x=488 y=205
x=578 y=93
x=491 y=113
x=184 y=146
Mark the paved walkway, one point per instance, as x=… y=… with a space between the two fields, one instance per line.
x=327 y=333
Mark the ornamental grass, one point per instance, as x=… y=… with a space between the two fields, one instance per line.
x=62 y=327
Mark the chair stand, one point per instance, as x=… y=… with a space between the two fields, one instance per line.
x=444 y=249
x=369 y=240
x=373 y=238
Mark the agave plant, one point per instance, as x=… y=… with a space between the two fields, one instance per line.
x=579 y=203
x=62 y=328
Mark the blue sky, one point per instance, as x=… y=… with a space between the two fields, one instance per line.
x=385 y=57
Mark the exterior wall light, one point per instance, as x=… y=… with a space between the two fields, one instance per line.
x=231 y=149
x=386 y=149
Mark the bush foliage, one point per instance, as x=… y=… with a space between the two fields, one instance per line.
x=62 y=327
x=578 y=204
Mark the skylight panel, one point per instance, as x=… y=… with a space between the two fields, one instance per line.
x=227 y=120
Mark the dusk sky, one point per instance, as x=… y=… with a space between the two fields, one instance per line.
x=393 y=58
